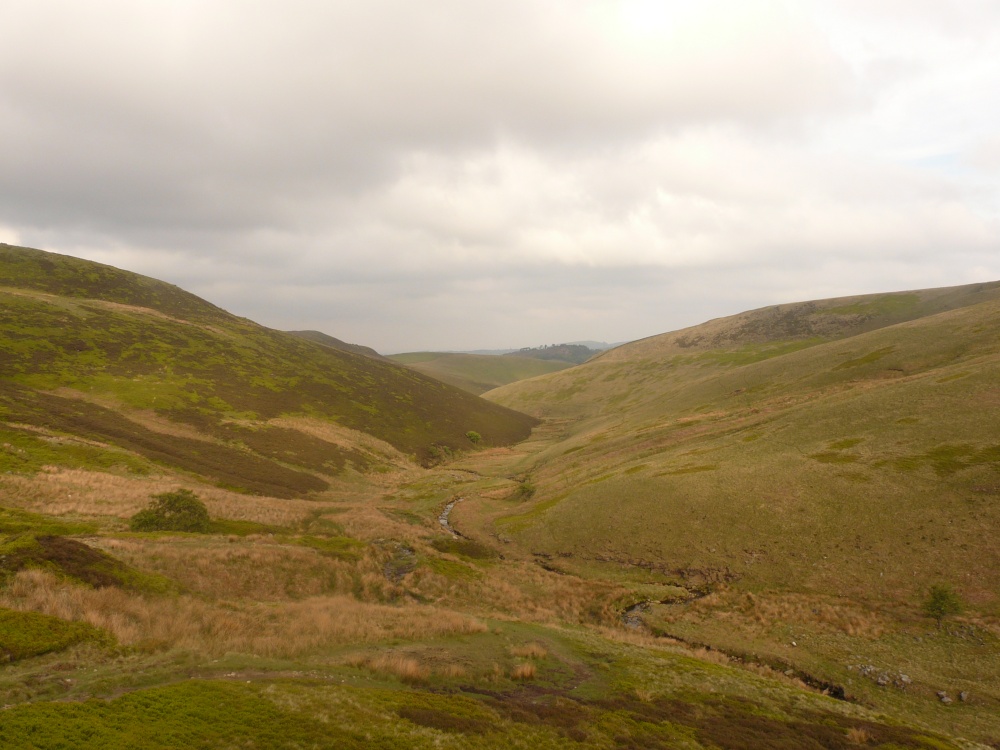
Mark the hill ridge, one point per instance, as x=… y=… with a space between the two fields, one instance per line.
x=200 y=366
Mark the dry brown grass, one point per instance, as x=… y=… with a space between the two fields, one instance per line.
x=247 y=568
x=523 y=671
x=834 y=615
x=530 y=651
x=281 y=630
x=58 y=491
x=452 y=670
x=345 y=438
x=406 y=668
x=528 y=592
x=409 y=667
x=859 y=735
x=760 y=612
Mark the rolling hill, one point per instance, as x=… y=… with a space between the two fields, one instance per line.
x=153 y=373
x=715 y=539
x=477 y=373
x=846 y=445
x=573 y=353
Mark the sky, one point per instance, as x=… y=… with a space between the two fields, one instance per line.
x=474 y=174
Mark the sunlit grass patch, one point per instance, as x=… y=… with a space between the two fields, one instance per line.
x=26 y=634
x=14 y=521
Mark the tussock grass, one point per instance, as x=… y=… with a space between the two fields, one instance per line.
x=406 y=668
x=530 y=651
x=523 y=671
x=285 y=629
x=79 y=492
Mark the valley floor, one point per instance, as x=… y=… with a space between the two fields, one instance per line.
x=360 y=619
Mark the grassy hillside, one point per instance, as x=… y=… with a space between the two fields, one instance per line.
x=477 y=373
x=323 y=338
x=140 y=368
x=814 y=468
x=360 y=600
x=573 y=353
x=879 y=448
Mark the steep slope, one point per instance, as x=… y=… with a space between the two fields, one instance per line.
x=323 y=338
x=478 y=373
x=848 y=460
x=135 y=365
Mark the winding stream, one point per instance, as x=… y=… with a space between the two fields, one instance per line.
x=443 y=518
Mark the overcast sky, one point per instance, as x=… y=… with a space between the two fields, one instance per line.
x=462 y=174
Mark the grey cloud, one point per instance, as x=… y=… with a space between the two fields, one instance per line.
x=380 y=169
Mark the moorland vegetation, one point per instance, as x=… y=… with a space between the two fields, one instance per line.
x=725 y=537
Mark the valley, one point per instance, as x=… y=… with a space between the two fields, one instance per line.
x=722 y=537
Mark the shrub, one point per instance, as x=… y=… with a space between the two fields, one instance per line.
x=181 y=510
x=474 y=437
x=941 y=602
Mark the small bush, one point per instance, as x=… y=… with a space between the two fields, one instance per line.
x=181 y=510
x=941 y=602
x=474 y=437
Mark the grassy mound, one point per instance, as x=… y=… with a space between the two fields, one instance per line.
x=27 y=634
x=73 y=560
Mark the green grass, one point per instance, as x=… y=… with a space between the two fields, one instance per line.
x=27 y=634
x=25 y=452
x=64 y=325
x=478 y=373
x=735 y=476
x=338 y=547
x=587 y=694
x=776 y=509
x=16 y=521
x=886 y=304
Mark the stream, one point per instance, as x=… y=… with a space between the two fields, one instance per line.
x=443 y=518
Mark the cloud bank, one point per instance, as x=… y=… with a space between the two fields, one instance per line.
x=449 y=175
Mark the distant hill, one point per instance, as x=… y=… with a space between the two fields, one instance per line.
x=327 y=340
x=573 y=353
x=846 y=445
x=142 y=371
x=477 y=373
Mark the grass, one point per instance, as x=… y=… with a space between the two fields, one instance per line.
x=127 y=343
x=73 y=561
x=14 y=521
x=502 y=711
x=477 y=373
x=27 y=634
x=730 y=478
